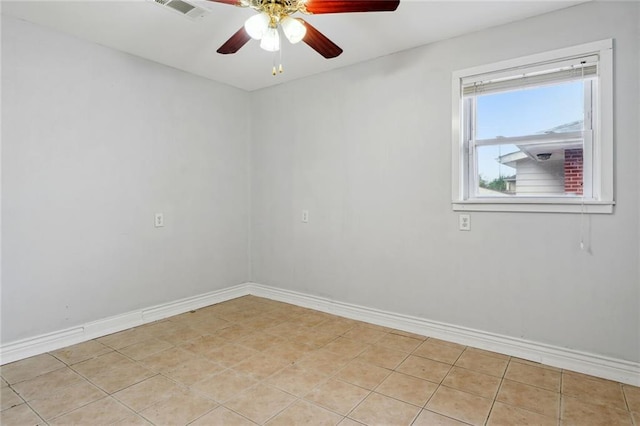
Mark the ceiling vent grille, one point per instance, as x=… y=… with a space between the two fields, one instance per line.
x=183 y=8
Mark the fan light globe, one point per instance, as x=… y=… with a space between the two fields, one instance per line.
x=257 y=25
x=293 y=29
x=271 y=40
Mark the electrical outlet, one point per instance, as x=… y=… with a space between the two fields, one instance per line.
x=305 y=216
x=159 y=220
x=464 y=222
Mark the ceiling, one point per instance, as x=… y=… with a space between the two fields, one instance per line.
x=149 y=30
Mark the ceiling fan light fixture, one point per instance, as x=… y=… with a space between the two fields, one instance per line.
x=271 y=40
x=257 y=25
x=293 y=29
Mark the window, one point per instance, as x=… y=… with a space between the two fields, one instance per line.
x=536 y=133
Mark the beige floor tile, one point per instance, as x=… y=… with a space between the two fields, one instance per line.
x=438 y=352
x=534 y=376
x=259 y=341
x=261 y=366
x=447 y=343
x=408 y=334
x=225 y=385
x=204 y=344
x=381 y=410
x=346 y=421
x=20 y=415
x=597 y=391
x=231 y=354
x=314 y=339
x=44 y=385
x=101 y=412
x=262 y=322
x=29 y=368
x=530 y=398
x=233 y=332
x=337 y=327
x=337 y=396
x=477 y=361
x=507 y=415
x=8 y=398
x=313 y=318
x=407 y=388
x=223 y=417
x=3 y=383
x=346 y=347
x=148 y=392
x=636 y=418
x=579 y=413
x=260 y=403
x=167 y=359
x=97 y=365
x=132 y=420
x=429 y=418
x=382 y=357
x=179 y=409
x=424 y=368
x=289 y=351
x=364 y=334
x=362 y=374
x=81 y=352
x=285 y=329
x=399 y=343
x=305 y=413
x=180 y=335
x=489 y=353
x=124 y=338
x=66 y=399
x=209 y=324
x=296 y=380
x=460 y=405
x=473 y=382
x=632 y=395
x=534 y=364
x=321 y=361
x=193 y=371
x=120 y=376
x=144 y=349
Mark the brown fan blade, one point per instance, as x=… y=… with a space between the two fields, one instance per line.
x=345 y=6
x=235 y=42
x=319 y=42
x=231 y=2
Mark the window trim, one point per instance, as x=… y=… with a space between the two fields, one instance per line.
x=602 y=144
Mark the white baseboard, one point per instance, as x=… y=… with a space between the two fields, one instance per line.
x=596 y=365
x=25 y=348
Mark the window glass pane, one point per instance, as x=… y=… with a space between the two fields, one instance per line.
x=530 y=169
x=537 y=110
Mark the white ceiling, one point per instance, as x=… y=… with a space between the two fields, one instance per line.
x=148 y=30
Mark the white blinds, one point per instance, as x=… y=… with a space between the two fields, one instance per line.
x=535 y=75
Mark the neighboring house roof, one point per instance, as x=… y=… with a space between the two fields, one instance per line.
x=530 y=151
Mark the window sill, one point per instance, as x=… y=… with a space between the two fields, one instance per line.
x=537 y=205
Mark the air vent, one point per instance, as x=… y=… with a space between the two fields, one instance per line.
x=183 y=8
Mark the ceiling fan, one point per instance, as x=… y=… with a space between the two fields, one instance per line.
x=276 y=14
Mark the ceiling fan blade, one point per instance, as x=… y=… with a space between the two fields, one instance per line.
x=235 y=42
x=345 y=6
x=231 y=2
x=319 y=42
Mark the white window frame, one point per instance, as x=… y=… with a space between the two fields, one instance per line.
x=598 y=144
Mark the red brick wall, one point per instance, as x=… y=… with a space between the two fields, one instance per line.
x=573 y=171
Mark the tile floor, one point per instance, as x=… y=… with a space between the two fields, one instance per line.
x=256 y=361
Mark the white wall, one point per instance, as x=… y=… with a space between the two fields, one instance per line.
x=94 y=143
x=366 y=149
